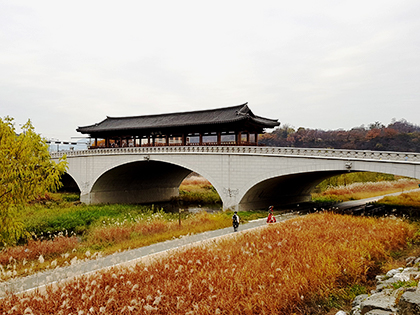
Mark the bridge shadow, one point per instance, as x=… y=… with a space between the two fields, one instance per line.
x=284 y=190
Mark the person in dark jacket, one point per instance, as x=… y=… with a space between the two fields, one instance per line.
x=235 y=221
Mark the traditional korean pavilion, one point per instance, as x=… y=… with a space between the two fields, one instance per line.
x=235 y=125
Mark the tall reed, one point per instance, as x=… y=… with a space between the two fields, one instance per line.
x=357 y=191
x=291 y=267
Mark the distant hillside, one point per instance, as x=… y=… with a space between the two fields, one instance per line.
x=397 y=136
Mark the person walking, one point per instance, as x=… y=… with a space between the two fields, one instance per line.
x=271 y=218
x=235 y=221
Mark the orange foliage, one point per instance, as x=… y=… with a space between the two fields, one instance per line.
x=34 y=249
x=195 y=180
x=284 y=268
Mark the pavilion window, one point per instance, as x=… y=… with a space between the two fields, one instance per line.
x=244 y=137
x=193 y=139
x=227 y=138
x=251 y=138
x=209 y=138
x=175 y=140
x=160 y=141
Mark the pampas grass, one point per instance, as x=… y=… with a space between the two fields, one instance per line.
x=291 y=267
x=358 y=191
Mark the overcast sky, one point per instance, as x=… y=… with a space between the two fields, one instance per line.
x=313 y=64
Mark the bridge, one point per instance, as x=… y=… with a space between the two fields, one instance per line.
x=246 y=177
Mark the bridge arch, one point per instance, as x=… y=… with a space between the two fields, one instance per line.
x=282 y=190
x=289 y=185
x=141 y=181
x=69 y=183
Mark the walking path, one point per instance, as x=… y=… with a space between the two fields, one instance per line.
x=54 y=276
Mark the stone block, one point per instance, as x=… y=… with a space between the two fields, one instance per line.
x=378 y=301
x=409 y=303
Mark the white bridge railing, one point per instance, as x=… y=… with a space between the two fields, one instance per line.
x=248 y=150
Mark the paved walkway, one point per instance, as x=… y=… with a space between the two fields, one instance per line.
x=42 y=279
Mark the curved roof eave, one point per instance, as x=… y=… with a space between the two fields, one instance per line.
x=208 y=117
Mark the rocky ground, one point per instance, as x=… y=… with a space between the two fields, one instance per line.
x=397 y=292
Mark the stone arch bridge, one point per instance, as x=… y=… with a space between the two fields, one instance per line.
x=245 y=177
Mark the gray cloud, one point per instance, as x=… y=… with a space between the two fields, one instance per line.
x=320 y=64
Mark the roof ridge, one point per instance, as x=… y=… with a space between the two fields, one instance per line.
x=179 y=113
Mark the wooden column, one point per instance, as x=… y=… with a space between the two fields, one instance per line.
x=167 y=140
x=183 y=139
x=219 y=138
x=96 y=142
x=247 y=138
x=239 y=138
x=200 y=141
x=256 y=139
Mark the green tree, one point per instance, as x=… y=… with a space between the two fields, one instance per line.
x=26 y=171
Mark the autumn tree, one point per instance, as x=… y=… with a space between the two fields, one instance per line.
x=26 y=171
x=397 y=136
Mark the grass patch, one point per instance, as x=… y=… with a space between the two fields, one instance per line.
x=356 y=191
x=409 y=199
x=404 y=284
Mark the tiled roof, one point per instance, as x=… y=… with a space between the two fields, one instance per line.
x=181 y=119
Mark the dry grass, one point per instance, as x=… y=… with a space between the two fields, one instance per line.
x=114 y=238
x=198 y=190
x=35 y=255
x=35 y=248
x=195 y=180
x=357 y=191
x=411 y=199
x=285 y=268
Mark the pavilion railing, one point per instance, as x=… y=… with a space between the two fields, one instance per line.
x=195 y=144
